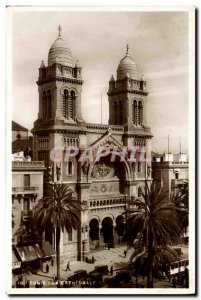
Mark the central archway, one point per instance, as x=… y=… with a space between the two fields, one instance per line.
x=107 y=231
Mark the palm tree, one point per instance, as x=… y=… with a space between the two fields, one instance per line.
x=58 y=211
x=180 y=197
x=153 y=222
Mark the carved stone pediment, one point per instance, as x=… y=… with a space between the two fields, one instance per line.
x=106 y=140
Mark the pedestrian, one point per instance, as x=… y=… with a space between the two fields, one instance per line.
x=174 y=282
x=47 y=268
x=54 y=277
x=109 y=246
x=111 y=270
x=52 y=262
x=68 y=267
x=92 y=259
x=125 y=253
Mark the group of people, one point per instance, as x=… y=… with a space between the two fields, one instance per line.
x=90 y=260
x=181 y=279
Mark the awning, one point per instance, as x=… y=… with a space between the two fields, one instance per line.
x=16 y=264
x=38 y=251
x=47 y=249
x=27 y=253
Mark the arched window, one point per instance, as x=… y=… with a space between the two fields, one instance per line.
x=139 y=166
x=139 y=192
x=140 y=121
x=48 y=104
x=115 y=113
x=44 y=105
x=70 y=167
x=135 y=112
x=65 y=104
x=72 y=105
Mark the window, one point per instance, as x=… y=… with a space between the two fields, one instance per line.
x=139 y=193
x=134 y=112
x=176 y=175
x=26 y=206
x=139 y=165
x=27 y=180
x=70 y=235
x=140 y=120
x=68 y=104
x=65 y=104
x=72 y=105
x=46 y=103
x=69 y=167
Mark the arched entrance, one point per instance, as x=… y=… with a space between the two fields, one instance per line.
x=94 y=234
x=107 y=232
x=120 y=228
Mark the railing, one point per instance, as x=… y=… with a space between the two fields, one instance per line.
x=25 y=189
x=110 y=202
x=178 y=181
x=28 y=164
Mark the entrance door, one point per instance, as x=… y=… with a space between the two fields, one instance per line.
x=107 y=231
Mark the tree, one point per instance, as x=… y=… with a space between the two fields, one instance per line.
x=58 y=211
x=153 y=223
x=180 y=197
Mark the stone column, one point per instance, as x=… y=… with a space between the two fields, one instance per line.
x=101 y=240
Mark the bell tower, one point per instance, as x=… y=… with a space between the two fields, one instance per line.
x=127 y=95
x=59 y=87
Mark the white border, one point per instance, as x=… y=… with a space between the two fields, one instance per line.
x=108 y=291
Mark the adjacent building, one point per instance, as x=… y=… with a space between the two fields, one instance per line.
x=172 y=170
x=27 y=189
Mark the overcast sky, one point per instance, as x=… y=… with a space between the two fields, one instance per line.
x=158 y=43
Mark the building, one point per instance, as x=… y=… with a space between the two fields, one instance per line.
x=171 y=170
x=21 y=142
x=103 y=187
x=27 y=189
x=18 y=132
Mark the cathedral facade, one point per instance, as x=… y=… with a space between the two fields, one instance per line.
x=104 y=186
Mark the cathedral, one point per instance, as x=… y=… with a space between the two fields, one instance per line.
x=104 y=187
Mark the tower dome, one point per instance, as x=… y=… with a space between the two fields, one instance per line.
x=127 y=66
x=60 y=52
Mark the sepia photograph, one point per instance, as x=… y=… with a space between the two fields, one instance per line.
x=100 y=129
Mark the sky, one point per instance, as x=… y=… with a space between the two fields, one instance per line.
x=158 y=43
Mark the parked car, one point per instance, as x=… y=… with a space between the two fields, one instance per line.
x=123 y=277
x=93 y=280
x=78 y=275
x=101 y=269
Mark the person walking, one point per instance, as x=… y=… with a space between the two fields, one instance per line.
x=52 y=262
x=111 y=270
x=174 y=282
x=54 y=278
x=47 y=268
x=68 y=267
x=125 y=253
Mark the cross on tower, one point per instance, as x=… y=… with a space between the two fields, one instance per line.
x=127 y=49
x=60 y=29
